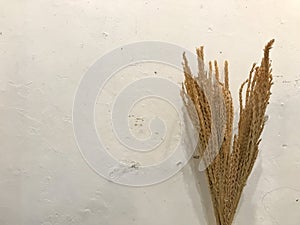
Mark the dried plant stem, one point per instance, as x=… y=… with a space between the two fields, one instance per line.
x=228 y=167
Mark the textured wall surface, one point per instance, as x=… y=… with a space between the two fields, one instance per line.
x=45 y=49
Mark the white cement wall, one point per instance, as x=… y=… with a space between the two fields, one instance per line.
x=47 y=46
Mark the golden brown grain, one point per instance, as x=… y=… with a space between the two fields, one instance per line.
x=228 y=167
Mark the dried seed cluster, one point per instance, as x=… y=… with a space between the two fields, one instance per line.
x=229 y=158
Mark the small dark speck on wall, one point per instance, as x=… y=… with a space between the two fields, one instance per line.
x=297 y=200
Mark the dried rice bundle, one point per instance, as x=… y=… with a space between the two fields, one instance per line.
x=229 y=158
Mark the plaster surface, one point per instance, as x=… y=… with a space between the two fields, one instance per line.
x=45 y=49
